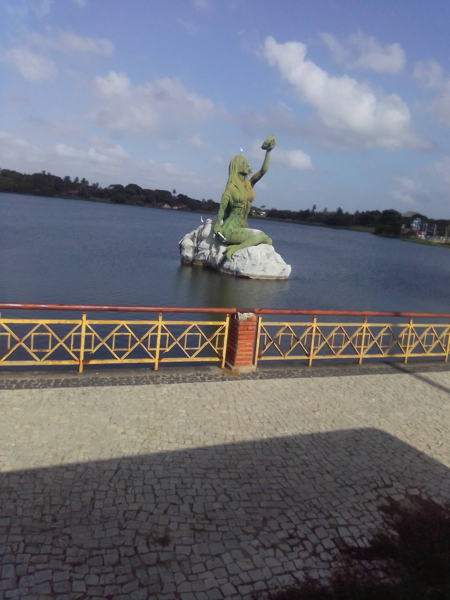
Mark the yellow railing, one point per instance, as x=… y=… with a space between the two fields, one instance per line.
x=322 y=340
x=27 y=342
x=157 y=339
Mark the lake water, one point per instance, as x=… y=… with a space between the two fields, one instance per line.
x=76 y=252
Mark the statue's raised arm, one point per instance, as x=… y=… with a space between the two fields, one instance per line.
x=268 y=146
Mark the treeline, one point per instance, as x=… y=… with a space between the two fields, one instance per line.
x=387 y=222
x=46 y=184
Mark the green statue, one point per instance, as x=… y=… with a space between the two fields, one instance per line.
x=231 y=225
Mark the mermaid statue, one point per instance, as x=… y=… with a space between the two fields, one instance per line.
x=231 y=226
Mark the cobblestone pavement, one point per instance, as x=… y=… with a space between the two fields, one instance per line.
x=207 y=490
x=27 y=380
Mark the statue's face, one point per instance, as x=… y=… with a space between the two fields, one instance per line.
x=245 y=169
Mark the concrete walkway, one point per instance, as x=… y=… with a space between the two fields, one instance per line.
x=206 y=490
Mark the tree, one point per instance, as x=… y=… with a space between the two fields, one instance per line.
x=174 y=192
x=389 y=223
x=76 y=180
x=303 y=215
x=313 y=208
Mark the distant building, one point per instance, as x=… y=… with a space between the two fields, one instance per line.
x=416 y=225
x=258 y=212
x=73 y=192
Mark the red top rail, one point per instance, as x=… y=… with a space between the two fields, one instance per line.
x=178 y=309
x=106 y=308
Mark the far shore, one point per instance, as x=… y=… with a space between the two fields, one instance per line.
x=256 y=217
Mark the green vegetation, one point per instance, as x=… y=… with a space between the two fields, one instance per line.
x=425 y=242
x=408 y=559
x=45 y=184
x=388 y=222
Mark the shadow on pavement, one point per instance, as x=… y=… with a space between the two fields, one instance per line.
x=400 y=368
x=205 y=523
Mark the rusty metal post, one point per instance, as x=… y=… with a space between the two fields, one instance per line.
x=83 y=336
x=311 y=352
x=448 y=343
x=363 y=340
x=258 y=335
x=158 y=341
x=225 y=340
x=407 y=341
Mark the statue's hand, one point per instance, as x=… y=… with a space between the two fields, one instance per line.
x=269 y=144
x=217 y=228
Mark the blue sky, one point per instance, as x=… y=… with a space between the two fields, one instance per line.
x=164 y=93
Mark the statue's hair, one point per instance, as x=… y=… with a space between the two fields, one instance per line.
x=236 y=167
x=234 y=180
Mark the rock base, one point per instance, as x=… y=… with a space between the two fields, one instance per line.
x=202 y=248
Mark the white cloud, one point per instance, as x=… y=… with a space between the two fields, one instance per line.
x=294 y=159
x=390 y=58
x=68 y=42
x=189 y=26
x=339 y=53
x=429 y=73
x=343 y=104
x=19 y=99
x=200 y=4
x=42 y=7
x=23 y=9
x=364 y=52
x=114 y=84
x=403 y=196
x=80 y=3
x=277 y=117
x=408 y=184
x=21 y=154
x=100 y=154
x=159 y=105
x=32 y=67
x=442 y=169
x=98 y=161
x=440 y=108
x=409 y=191
x=53 y=127
x=16 y=151
x=196 y=142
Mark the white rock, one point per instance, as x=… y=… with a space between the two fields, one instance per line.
x=201 y=247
